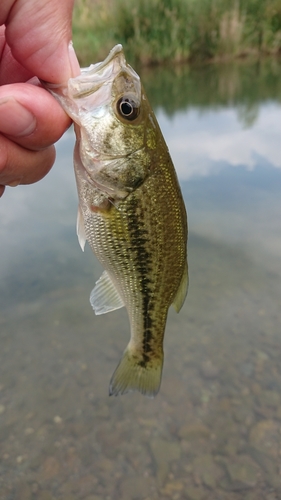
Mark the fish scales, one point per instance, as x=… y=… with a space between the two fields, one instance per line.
x=132 y=214
x=129 y=241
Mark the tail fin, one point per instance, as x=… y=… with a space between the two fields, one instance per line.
x=132 y=375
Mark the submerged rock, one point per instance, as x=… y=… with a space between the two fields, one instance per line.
x=23 y=492
x=208 y=472
x=164 y=452
x=136 y=487
x=194 y=493
x=265 y=437
x=242 y=472
x=209 y=370
x=194 y=431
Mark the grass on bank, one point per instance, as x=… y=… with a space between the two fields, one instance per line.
x=157 y=31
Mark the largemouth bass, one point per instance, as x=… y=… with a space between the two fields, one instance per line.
x=131 y=211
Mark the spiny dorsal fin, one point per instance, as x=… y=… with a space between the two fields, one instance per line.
x=104 y=297
x=80 y=229
x=182 y=291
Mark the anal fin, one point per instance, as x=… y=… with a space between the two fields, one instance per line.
x=105 y=297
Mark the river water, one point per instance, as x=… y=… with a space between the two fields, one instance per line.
x=214 y=430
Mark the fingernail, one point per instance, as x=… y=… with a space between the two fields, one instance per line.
x=16 y=120
x=74 y=64
x=14 y=183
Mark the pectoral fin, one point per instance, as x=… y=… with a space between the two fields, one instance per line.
x=80 y=229
x=104 y=297
x=182 y=291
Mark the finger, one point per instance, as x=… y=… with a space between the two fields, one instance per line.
x=22 y=166
x=11 y=71
x=30 y=116
x=39 y=34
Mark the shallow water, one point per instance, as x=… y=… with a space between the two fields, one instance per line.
x=214 y=430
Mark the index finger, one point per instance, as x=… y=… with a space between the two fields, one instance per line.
x=39 y=35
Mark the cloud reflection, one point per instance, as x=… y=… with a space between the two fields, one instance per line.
x=202 y=142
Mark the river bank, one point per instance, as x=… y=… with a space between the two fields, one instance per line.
x=160 y=31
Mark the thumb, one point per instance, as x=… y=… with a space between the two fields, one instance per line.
x=39 y=35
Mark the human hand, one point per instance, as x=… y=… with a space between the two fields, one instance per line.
x=34 y=41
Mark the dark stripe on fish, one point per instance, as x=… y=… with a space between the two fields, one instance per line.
x=138 y=238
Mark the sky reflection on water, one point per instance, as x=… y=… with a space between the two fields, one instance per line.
x=213 y=432
x=203 y=142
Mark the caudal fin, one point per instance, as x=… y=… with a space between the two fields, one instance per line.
x=132 y=374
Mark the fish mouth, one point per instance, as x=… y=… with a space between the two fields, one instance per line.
x=93 y=88
x=101 y=73
x=118 y=49
x=87 y=73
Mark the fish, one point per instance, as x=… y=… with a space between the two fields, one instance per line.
x=131 y=211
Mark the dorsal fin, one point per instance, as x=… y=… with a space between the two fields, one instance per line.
x=182 y=291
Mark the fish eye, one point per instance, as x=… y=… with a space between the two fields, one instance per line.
x=127 y=108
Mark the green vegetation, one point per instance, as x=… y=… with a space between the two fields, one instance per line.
x=158 y=31
x=242 y=83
